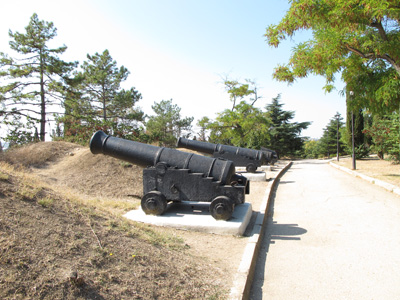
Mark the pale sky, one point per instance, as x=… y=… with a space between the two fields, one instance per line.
x=181 y=49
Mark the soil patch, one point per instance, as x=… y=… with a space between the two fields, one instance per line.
x=374 y=167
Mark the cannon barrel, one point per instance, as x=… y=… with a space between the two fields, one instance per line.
x=211 y=148
x=148 y=155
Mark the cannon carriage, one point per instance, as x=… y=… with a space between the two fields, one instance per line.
x=170 y=175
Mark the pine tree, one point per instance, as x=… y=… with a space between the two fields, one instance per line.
x=328 y=144
x=106 y=100
x=285 y=136
x=167 y=125
x=34 y=81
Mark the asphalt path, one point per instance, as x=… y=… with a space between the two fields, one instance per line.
x=329 y=235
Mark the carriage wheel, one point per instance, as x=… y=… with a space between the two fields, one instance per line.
x=154 y=203
x=221 y=208
x=251 y=168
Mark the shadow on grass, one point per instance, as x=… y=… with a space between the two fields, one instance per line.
x=392 y=175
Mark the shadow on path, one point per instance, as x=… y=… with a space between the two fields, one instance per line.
x=274 y=232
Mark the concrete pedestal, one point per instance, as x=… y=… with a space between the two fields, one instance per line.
x=196 y=216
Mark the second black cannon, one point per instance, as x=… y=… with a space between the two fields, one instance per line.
x=251 y=159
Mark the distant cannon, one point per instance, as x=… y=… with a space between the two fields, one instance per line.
x=172 y=175
x=271 y=155
x=242 y=157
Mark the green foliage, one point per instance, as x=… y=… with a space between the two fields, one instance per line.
x=362 y=151
x=358 y=39
x=19 y=132
x=311 y=149
x=374 y=86
x=238 y=91
x=203 y=123
x=385 y=134
x=332 y=137
x=345 y=137
x=250 y=127
x=102 y=86
x=32 y=82
x=167 y=125
x=95 y=100
x=357 y=115
x=244 y=126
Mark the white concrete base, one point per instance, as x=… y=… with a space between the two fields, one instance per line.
x=265 y=168
x=258 y=176
x=261 y=168
x=196 y=216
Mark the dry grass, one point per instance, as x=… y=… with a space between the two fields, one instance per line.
x=63 y=238
x=374 y=167
x=38 y=154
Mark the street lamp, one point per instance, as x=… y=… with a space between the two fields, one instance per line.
x=337 y=116
x=352 y=136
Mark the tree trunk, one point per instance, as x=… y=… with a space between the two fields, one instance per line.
x=104 y=97
x=42 y=103
x=380 y=155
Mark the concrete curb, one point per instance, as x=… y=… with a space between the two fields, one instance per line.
x=387 y=186
x=245 y=274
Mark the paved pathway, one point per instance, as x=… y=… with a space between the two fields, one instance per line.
x=329 y=235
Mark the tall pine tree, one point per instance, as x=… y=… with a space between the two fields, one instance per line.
x=285 y=136
x=108 y=102
x=328 y=144
x=33 y=81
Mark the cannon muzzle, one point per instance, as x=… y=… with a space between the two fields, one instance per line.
x=271 y=155
x=148 y=155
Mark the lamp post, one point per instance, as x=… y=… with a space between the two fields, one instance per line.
x=337 y=116
x=352 y=136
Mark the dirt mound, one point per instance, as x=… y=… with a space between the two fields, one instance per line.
x=37 y=154
x=96 y=175
x=74 y=166
x=55 y=247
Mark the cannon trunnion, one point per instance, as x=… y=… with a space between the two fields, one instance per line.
x=242 y=157
x=172 y=175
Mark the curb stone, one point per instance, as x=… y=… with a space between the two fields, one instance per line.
x=387 y=186
x=245 y=273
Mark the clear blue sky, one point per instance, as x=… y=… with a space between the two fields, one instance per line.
x=181 y=49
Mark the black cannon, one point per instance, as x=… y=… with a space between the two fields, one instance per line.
x=271 y=155
x=242 y=157
x=172 y=175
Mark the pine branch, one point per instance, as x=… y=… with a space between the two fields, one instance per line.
x=8 y=113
